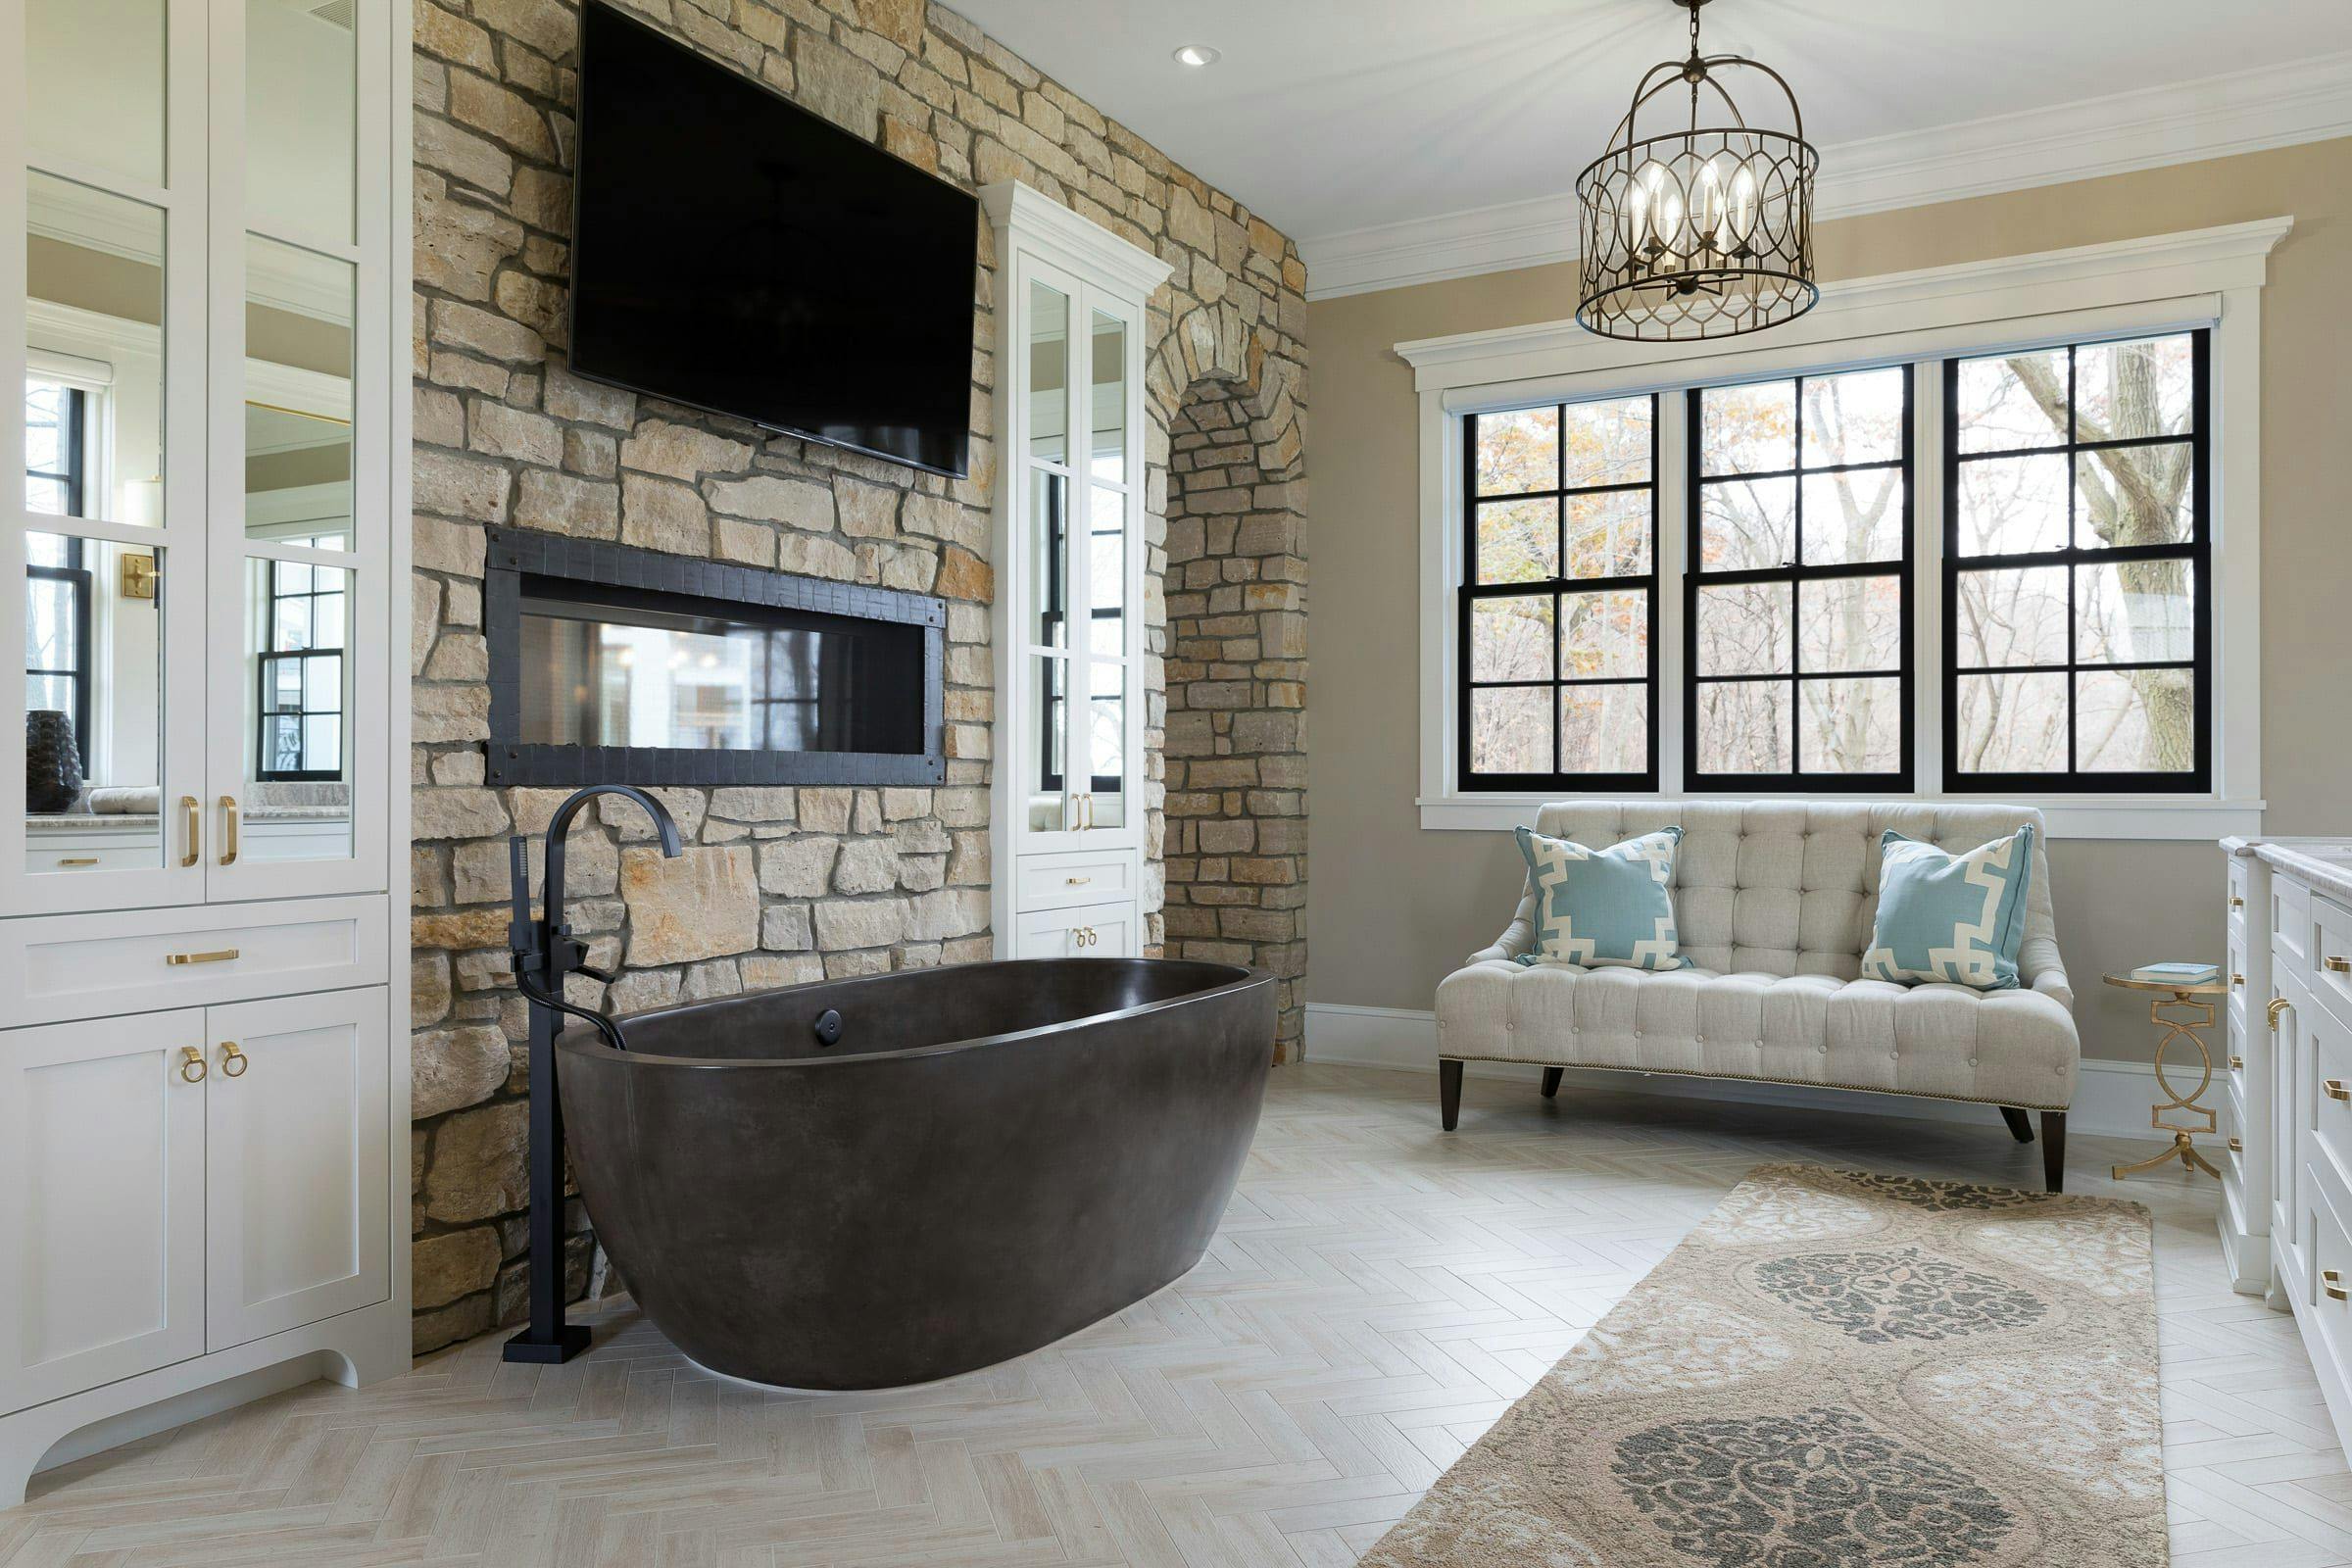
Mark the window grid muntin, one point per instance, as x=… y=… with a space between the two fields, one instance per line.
x=2075 y=557
x=1794 y=572
x=1556 y=587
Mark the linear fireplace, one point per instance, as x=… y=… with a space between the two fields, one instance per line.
x=614 y=664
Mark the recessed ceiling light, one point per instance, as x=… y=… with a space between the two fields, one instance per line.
x=1197 y=54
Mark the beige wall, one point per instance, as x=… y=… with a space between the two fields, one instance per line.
x=1396 y=908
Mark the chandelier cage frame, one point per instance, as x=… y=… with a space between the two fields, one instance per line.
x=1699 y=233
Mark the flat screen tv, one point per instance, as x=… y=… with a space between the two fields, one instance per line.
x=734 y=252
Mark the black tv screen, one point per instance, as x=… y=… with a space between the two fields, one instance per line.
x=735 y=252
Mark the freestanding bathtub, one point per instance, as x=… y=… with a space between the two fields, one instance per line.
x=983 y=1159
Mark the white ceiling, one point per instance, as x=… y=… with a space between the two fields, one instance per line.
x=1332 y=116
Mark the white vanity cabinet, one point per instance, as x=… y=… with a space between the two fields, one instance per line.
x=1070 y=806
x=204 y=1073
x=2286 y=1209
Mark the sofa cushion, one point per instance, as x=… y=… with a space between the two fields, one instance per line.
x=1602 y=906
x=2010 y=1048
x=1953 y=917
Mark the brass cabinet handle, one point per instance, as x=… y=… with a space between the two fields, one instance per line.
x=2335 y=1088
x=2238 y=1145
x=2278 y=1005
x=216 y=956
x=78 y=859
x=192 y=829
x=2331 y=1284
x=2334 y=964
x=191 y=1065
x=1077 y=881
x=234 y=1061
x=229 y=829
x=2237 y=1063
x=2236 y=903
x=2237 y=979
x=1083 y=936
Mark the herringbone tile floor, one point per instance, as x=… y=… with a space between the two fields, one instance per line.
x=1377 y=1296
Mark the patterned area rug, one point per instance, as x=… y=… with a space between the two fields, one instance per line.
x=1839 y=1369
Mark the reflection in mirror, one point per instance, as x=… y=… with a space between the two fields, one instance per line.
x=297 y=799
x=93 y=683
x=1048 y=373
x=1042 y=770
x=1110 y=398
x=301 y=90
x=94 y=354
x=1047 y=557
x=298 y=362
x=1108 y=740
x=98 y=98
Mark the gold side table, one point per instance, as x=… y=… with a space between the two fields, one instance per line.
x=2179 y=1011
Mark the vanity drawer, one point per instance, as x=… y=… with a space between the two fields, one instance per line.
x=2328 y=1051
x=1060 y=881
x=96 y=965
x=2290 y=920
x=1088 y=931
x=2238 y=880
x=2328 y=1316
x=2331 y=957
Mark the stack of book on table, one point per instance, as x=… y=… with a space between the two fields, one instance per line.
x=2178 y=974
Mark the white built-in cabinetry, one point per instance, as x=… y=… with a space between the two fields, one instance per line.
x=204 y=1067
x=2286 y=1191
x=1070 y=550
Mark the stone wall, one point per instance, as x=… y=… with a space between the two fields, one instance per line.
x=1236 y=742
x=778 y=885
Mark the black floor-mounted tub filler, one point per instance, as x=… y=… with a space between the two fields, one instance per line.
x=873 y=1181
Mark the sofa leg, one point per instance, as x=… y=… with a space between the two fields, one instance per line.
x=1449 y=1093
x=2053 y=1150
x=2021 y=1127
x=1551 y=1081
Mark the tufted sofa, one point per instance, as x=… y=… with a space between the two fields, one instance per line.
x=1774 y=901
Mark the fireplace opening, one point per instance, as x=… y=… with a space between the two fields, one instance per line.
x=615 y=664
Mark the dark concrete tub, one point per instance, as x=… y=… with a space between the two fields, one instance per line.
x=988 y=1158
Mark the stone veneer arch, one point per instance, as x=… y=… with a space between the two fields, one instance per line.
x=1230 y=650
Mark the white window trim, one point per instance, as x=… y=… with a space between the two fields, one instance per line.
x=2210 y=278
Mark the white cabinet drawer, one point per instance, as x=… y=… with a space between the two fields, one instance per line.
x=1060 y=881
x=2289 y=922
x=1088 y=931
x=96 y=965
x=2332 y=957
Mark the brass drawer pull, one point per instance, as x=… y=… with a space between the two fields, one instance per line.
x=2236 y=903
x=2335 y=964
x=2238 y=1145
x=193 y=824
x=2335 y=1088
x=78 y=859
x=2278 y=1005
x=1077 y=881
x=2331 y=1284
x=234 y=1061
x=2237 y=1063
x=2237 y=979
x=218 y=956
x=191 y=1065
x=228 y=821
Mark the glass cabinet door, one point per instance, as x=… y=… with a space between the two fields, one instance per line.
x=101 y=170
x=1105 y=568
x=300 y=454
x=1052 y=654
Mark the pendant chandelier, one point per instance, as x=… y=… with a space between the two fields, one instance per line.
x=1703 y=231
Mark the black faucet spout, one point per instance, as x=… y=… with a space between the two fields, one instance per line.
x=545 y=950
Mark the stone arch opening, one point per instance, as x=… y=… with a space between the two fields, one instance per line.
x=1233 y=645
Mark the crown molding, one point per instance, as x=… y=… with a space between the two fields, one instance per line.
x=2146 y=128
x=1085 y=247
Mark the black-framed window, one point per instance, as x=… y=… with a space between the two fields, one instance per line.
x=302 y=672
x=1558 y=675
x=57 y=579
x=1796 y=624
x=2077 y=578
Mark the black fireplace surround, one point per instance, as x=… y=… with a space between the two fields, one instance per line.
x=808 y=681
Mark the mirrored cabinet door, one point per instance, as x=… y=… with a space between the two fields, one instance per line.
x=102 y=161
x=300 y=444
x=1106 y=568
x=1053 y=488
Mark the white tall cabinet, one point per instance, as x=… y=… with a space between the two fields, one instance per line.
x=203 y=1076
x=1070 y=803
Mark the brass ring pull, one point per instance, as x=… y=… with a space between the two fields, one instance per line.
x=234 y=1061
x=191 y=1066
x=2278 y=1005
x=2335 y=1088
x=193 y=829
x=228 y=821
x=2332 y=1282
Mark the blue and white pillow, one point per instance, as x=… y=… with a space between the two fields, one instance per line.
x=1605 y=906
x=1951 y=917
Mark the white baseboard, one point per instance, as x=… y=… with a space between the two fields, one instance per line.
x=2112 y=1098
